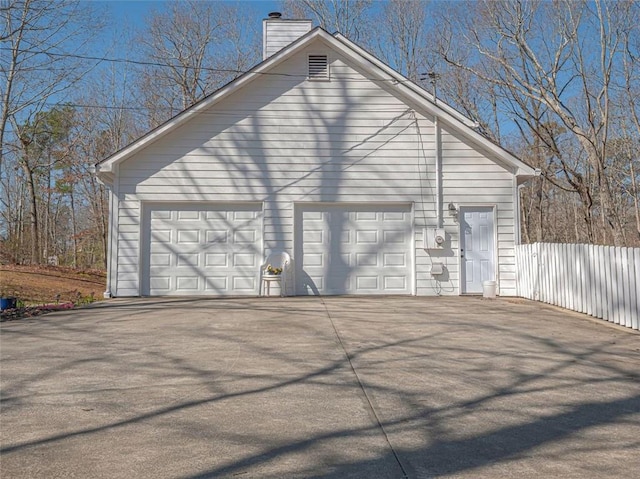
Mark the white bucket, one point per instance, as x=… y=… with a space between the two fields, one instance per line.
x=489 y=289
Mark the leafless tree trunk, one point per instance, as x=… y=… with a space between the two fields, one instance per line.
x=33 y=202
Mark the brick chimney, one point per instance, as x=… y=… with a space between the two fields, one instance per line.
x=277 y=33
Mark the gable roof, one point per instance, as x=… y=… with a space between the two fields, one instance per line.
x=375 y=69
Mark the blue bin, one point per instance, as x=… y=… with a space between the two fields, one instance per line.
x=8 y=303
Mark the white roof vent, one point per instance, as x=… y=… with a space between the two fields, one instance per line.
x=318 y=67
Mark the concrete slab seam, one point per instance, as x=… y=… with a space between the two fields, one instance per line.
x=364 y=391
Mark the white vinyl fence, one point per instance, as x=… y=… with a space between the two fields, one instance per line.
x=603 y=281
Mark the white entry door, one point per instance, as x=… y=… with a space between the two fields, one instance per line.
x=354 y=249
x=200 y=249
x=477 y=247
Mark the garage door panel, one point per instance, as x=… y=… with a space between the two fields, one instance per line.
x=188 y=215
x=394 y=259
x=187 y=283
x=244 y=237
x=244 y=215
x=216 y=236
x=160 y=259
x=366 y=215
x=161 y=215
x=367 y=282
x=215 y=215
x=366 y=236
x=161 y=283
x=394 y=216
x=244 y=283
x=314 y=259
x=393 y=236
x=355 y=249
x=188 y=236
x=244 y=259
x=216 y=260
x=188 y=260
x=366 y=259
x=215 y=283
x=203 y=249
x=312 y=236
x=161 y=236
x=395 y=283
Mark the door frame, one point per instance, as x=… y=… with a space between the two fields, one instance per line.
x=496 y=270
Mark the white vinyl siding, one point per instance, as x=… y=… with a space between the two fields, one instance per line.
x=284 y=139
x=470 y=178
x=128 y=242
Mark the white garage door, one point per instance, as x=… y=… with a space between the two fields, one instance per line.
x=349 y=249
x=202 y=249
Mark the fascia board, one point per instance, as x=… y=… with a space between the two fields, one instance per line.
x=227 y=90
x=419 y=96
x=105 y=178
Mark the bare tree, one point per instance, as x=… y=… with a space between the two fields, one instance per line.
x=630 y=110
x=562 y=55
x=400 y=36
x=43 y=47
x=349 y=17
x=101 y=131
x=194 y=47
x=42 y=41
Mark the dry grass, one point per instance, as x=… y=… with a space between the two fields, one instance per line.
x=41 y=284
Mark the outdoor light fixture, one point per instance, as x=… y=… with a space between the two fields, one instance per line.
x=452 y=209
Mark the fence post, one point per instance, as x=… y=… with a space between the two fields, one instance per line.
x=636 y=286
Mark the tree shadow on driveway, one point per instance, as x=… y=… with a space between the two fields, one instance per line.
x=317 y=387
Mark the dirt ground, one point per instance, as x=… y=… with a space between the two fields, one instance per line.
x=42 y=284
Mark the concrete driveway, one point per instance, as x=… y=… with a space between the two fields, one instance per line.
x=319 y=387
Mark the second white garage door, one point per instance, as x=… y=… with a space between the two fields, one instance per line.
x=354 y=249
x=198 y=249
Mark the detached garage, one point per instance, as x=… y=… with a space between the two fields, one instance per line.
x=323 y=152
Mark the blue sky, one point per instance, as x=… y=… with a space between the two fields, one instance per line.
x=133 y=12
x=125 y=18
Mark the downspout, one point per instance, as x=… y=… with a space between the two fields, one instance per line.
x=94 y=170
x=516 y=206
x=438 y=158
x=112 y=263
x=518 y=185
x=107 y=293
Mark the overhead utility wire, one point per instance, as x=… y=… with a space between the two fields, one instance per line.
x=209 y=69
x=233 y=112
